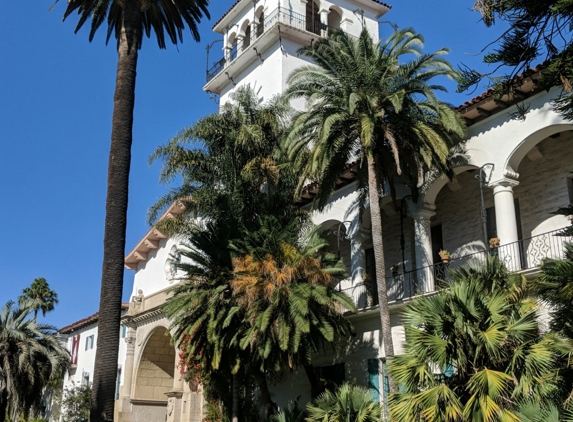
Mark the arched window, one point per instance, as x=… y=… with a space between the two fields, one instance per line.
x=334 y=19
x=261 y=24
x=232 y=47
x=247 y=37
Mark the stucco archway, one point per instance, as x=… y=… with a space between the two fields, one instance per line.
x=156 y=369
x=334 y=17
x=529 y=142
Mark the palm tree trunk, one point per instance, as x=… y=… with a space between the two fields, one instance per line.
x=235 y=415
x=380 y=265
x=105 y=369
x=270 y=406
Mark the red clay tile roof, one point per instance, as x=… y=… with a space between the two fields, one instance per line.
x=490 y=92
x=84 y=322
x=238 y=1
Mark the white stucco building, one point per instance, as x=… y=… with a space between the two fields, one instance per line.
x=80 y=339
x=524 y=168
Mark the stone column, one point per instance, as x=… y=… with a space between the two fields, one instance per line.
x=424 y=274
x=126 y=388
x=174 y=397
x=324 y=21
x=506 y=223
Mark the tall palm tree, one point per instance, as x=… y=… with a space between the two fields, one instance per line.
x=231 y=167
x=39 y=296
x=366 y=104
x=30 y=357
x=128 y=21
x=474 y=351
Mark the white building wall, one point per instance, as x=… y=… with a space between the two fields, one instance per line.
x=151 y=276
x=86 y=358
x=264 y=77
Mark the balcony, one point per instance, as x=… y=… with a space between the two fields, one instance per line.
x=523 y=256
x=256 y=30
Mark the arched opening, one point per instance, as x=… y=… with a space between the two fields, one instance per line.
x=260 y=21
x=156 y=369
x=232 y=46
x=313 y=17
x=334 y=18
x=246 y=31
x=457 y=225
x=335 y=233
x=545 y=184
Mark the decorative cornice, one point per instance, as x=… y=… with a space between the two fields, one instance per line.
x=148 y=316
x=151 y=239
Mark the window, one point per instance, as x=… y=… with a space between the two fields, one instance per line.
x=123 y=330
x=261 y=24
x=90 y=342
x=75 y=349
x=374 y=378
x=247 y=37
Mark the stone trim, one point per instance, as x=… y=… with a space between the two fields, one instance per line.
x=144 y=402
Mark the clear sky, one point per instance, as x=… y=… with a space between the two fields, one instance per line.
x=56 y=98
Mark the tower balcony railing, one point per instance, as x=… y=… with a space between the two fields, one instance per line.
x=524 y=255
x=257 y=29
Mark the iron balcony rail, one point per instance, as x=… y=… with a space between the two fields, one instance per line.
x=525 y=254
x=280 y=14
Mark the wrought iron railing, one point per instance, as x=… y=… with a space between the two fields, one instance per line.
x=280 y=14
x=525 y=254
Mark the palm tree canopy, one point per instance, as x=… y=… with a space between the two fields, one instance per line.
x=364 y=100
x=349 y=403
x=30 y=357
x=231 y=165
x=284 y=280
x=40 y=296
x=162 y=17
x=474 y=351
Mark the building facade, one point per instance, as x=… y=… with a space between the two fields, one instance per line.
x=80 y=340
x=512 y=172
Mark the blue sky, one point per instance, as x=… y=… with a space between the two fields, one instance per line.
x=56 y=98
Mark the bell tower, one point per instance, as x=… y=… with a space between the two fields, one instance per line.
x=261 y=39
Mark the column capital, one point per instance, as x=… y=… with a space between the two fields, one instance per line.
x=425 y=212
x=504 y=184
x=324 y=11
x=360 y=234
x=509 y=179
